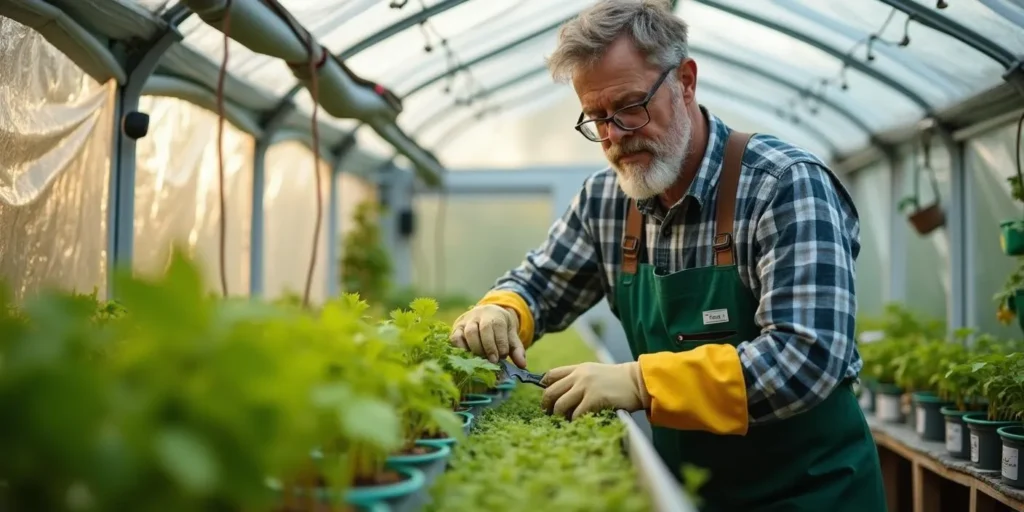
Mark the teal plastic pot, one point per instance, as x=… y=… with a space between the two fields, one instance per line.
x=476 y=403
x=1013 y=443
x=929 y=423
x=986 y=446
x=438 y=452
x=449 y=441
x=388 y=494
x=1011 y=237
x=506 y=387
x=888 y=403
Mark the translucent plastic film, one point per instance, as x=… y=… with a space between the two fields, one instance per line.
x=55 y=146
x=177 y=193
x=352 y=190
x=289 y=216
x=989 y=160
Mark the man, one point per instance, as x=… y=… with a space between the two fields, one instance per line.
x=729 y=260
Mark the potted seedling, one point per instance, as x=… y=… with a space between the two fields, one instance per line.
x=880 y=365
x=919 y=372
x=996 y=375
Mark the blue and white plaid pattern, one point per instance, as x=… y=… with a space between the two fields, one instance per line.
x=796 y=234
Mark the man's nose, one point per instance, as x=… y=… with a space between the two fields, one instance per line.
x=616 y=134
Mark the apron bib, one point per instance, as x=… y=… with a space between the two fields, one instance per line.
x=821 y=460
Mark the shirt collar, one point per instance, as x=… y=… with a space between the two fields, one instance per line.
x=710 y=167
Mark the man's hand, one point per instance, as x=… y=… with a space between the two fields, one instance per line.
x=591 y=387
x=492 y=332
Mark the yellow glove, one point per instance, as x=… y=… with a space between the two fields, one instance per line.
x=591 y=387
x=490 y=331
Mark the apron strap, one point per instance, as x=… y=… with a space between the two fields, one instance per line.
x=728 y=182
x=631 y=238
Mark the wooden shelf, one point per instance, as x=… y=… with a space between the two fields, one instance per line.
x=921 y=477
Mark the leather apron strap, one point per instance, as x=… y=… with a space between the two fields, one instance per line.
x=728 y=183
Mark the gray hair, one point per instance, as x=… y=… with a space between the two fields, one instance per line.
x=653 y=28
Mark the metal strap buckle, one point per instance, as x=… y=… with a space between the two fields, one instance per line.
x=723 y=242
x=630 y=244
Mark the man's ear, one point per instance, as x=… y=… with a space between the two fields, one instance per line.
x=687 y=75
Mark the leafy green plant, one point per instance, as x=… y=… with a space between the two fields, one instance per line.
x=1015 y=281
x=365 y=263
x=518 y=458
x=926 y=363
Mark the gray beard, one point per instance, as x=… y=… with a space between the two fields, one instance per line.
x=640 y=181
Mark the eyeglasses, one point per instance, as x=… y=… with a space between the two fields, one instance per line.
x=629 y=118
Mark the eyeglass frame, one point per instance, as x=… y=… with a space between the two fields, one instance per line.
x=643 y=103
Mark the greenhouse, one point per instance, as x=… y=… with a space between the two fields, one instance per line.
x=468 y=255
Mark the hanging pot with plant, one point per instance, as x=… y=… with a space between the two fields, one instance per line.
x=1010 y=300
x=1011 y=235
x=928 y=218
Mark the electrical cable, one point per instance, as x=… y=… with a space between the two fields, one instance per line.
x=220 y=151
x=314 y=65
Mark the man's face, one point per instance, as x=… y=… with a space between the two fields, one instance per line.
x=648 y=160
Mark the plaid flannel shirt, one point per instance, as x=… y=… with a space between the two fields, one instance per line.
x=796 y=236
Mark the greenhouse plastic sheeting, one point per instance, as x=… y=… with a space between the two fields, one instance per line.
x=871 y=189
x=55 y=146
x=989 y=161
x=177 y=193
x=289 y=216
x=927 y=272
x=469 y=223
x=351 y=190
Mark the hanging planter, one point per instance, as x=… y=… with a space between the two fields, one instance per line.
x=925 y=219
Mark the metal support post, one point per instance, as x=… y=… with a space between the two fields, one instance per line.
x=897 y=266
x=131 y=125
x=272 y=123
x=961 y=238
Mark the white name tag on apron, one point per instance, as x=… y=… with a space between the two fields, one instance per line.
x=716 y=316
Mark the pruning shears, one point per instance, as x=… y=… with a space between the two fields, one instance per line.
x=510 y=370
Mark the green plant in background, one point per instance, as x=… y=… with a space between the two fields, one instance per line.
x=365 y=262
x=1005 y=310
x=926 y=363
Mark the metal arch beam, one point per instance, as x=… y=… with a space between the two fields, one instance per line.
x=398 y=26
x=382 y=35
x=784 y=82
x=846 y=59
x=712 y=54
x=485 y=57
x=759 y=103
x=441 y=113
x=948 y=26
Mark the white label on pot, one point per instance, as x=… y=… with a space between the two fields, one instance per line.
x=1009 y=463
x=888 y=407
x=974 y=447
x=716 y=316
x=920 y=420
x=954 y=437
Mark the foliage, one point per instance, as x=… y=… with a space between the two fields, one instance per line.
x=365 y=263
x=902 y=330
x=192 y=402
x=992 y=375
x=923 y=366
x=1016 y=188
x=1004 y=313
x=518 y=458
x=908 y=204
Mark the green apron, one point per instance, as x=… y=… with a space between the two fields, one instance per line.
x=823 y=460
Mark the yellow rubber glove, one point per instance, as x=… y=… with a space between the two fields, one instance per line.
x=490 y=331
x=591 y=387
